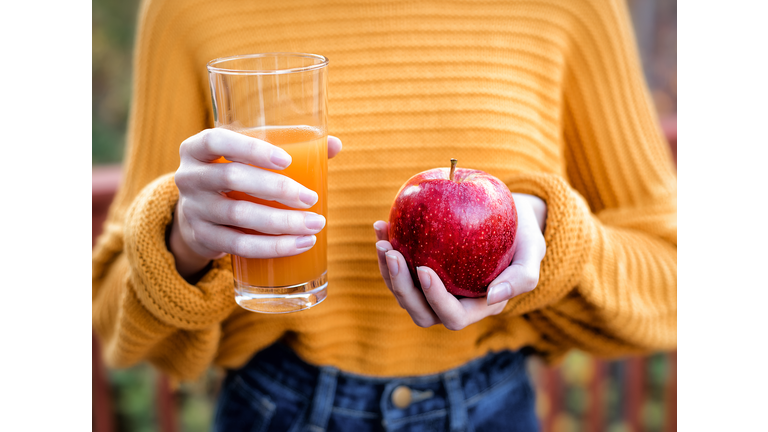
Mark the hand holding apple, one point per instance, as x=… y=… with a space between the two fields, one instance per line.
x=459 y=222
x=434 y=304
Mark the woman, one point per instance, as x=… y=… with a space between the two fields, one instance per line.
x=545 y=95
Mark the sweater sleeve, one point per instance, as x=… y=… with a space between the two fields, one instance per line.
x=608 y=282
x=142 y=308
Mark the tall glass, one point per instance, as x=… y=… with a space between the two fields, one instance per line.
x=279 y=98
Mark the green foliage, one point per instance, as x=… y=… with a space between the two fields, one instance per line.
x=652 y=415
x=619 y=427
x=133 y=397
x=197 y=402
x=113 y=29
x=577 y=374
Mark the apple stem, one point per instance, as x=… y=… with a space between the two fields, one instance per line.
x=453 y=168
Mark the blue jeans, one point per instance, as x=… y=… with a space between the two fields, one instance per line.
x=277 y=391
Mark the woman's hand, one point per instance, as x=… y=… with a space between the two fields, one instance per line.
x=436 y=305
x=200 y=231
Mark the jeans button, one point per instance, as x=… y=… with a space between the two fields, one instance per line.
x=401 y=397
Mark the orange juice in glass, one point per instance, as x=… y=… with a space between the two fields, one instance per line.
x=279 y=98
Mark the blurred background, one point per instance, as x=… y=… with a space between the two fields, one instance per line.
x=581 y=394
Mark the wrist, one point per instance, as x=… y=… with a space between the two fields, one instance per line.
x=188 y=262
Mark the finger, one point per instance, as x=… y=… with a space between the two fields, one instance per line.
x=334 y=146
x=478 y=308
x=447 y=307
x=522 y=275
x=232 y=241
x=514 y=280
x=261 y=218
x=259 y=183
x=529 y=240
x=211 y=144
x=408 y=295
x=382 y=247
x=382 y=230
x=537 y=205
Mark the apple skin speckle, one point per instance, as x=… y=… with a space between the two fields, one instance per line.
x=463 y=229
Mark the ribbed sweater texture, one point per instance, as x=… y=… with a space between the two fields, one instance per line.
x=547 y=95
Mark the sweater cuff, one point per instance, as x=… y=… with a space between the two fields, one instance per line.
x=568 y=234
x=158 y=285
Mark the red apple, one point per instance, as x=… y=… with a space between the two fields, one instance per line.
x=460 y=223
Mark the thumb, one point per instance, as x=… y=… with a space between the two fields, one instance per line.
x=513 y=281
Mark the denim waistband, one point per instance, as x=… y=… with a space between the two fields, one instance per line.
x=371 y=397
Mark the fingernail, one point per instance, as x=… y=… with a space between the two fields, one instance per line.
x=381 y=248
x=378 y=225
x=304 y=242
x=308 y=197
x=314 y=221
x=392 y=264
x=499 y=293
x=424 y=277
x=280 y=157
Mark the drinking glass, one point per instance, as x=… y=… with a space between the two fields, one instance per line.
x=279 y=98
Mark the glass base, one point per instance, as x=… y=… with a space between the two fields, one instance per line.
x=282 y=299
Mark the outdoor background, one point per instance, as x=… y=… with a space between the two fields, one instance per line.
x=113 y=30
x=134 y=390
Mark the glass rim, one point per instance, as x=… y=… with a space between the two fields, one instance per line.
x=213 y=68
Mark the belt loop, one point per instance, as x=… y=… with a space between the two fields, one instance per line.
x=458 y=414
x=322 y=401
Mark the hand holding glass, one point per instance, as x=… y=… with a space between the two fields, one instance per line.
x=271 y=148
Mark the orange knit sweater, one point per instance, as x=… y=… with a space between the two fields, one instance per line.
x=546 y=95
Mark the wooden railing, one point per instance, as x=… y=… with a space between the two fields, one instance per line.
x=105 y=183
x=549 y=381
x=106 y=180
